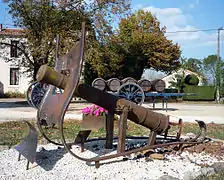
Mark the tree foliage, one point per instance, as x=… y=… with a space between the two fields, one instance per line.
x=194 y=65
x=191 y=79
x=178 y=82
x=210 y=65
x=139 y=43
x=43 y=19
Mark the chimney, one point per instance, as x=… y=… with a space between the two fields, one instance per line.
x=0 y=27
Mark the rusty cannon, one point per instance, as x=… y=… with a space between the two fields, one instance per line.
x=53 y=107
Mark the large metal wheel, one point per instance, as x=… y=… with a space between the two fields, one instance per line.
x=37 y=94
x=38 y=91
x=132 y=92
x=28 y=93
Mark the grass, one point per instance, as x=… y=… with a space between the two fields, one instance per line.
x=12 y=94
x=11 y=133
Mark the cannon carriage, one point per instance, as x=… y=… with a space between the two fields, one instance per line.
x=53 y=107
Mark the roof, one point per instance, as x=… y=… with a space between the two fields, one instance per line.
x=185 y=71
x=12 y=32
x=191 y=72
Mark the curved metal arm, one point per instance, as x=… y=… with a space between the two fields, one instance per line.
x=53 y=107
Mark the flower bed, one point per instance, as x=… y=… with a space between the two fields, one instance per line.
x=94 y=117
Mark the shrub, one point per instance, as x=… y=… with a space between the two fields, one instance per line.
x=191 y=79
x=203 y=93
x=11 y=94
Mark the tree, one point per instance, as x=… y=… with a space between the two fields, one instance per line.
x=191 y=79
x=89 y=74
x=43 y=19
x=194 y=65
x=178 y=82
x=139 y=43
x=210 y=64
x=222 y=79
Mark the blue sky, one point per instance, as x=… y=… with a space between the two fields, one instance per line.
x=179 y=15
x=187 y=15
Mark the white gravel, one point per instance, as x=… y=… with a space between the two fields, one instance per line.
x=55 y=163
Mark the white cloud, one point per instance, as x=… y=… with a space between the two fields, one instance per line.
x=175 y=20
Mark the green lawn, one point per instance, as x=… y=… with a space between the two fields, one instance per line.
x=13 y=132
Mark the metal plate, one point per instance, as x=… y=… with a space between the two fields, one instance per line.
x=29 y=145
x=73 y=60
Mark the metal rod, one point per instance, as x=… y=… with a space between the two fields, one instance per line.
x=122 y=130
x=27 y=165
x=109 y=130
x=152 y=138
x=57 y=47
x=19 y=157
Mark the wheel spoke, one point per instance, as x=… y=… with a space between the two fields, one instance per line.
x=132 y=92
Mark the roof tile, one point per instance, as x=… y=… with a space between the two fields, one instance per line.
x=12 y=32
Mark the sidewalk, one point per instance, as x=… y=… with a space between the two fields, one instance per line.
x=18 y=109
x=190 y=112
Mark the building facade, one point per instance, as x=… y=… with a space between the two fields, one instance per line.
x=11 y=77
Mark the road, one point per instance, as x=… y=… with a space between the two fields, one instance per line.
x=18 y=109
x=190 y=112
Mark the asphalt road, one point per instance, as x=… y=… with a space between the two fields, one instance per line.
x=18 y=109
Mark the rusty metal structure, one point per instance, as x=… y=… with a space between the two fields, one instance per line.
x=53 y=108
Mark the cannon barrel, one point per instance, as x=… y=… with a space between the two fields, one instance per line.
x=154 y=121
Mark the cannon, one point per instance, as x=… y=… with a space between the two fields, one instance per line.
x=53 y=108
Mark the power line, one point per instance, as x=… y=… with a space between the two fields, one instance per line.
x=199 y=30
x=186 y=31
x=8 y=24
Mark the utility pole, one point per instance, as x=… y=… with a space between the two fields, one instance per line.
x=218 y=78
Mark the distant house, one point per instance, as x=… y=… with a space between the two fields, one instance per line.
x=11 y=78
x=152 y=74
x=171 y=77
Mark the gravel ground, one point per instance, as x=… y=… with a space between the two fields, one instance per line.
x=55 y=163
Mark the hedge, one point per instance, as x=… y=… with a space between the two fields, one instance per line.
x=204 y=93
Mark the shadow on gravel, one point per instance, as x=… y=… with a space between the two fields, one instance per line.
x=161 y=109
x=47 y=159
x=98 y=147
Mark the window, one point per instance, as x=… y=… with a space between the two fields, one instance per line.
x=14 y=76
x=13 y=50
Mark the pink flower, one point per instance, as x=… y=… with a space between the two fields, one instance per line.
x=94 y=110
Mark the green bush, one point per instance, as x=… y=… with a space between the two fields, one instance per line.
x=12 y=94
x=203 y=93
x=191 y=79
